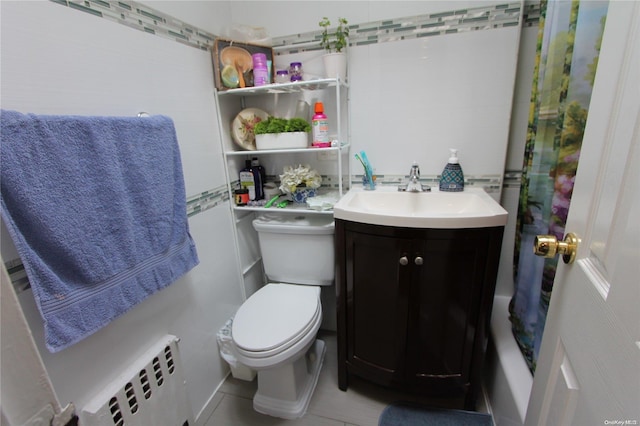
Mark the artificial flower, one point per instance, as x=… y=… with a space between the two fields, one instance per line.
x=299 y=176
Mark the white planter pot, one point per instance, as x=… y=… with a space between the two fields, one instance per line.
x=290 y=140
x=335 y=65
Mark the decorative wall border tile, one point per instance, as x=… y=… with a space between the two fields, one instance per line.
x=207 y=200
x=144 y=18
x=429 y=25
x=17 y=275
x=490 y=183
x=531 y=13
x=512 y=179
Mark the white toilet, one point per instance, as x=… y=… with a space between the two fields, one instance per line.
x=274 y=331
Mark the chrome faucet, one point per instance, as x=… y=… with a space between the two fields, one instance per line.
x=414 y=184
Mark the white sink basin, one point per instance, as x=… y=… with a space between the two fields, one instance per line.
x=472 y=208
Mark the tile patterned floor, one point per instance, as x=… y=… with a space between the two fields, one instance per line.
x=360 y=405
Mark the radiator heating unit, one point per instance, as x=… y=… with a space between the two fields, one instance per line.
x=152 y=391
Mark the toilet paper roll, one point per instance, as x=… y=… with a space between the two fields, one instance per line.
x=270 y=190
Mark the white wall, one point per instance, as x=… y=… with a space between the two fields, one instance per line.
x=209 y=15
x=413 y=100
x=515 y=152
x=420 y=96
x=56 y=60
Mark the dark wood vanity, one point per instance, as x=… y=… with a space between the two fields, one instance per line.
x=414 y=306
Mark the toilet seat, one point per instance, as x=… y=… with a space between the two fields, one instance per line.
x=275 y=318
x=309 y=329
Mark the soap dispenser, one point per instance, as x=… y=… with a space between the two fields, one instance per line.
x=452 y=179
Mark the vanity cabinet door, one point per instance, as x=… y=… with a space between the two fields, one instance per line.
x=414 y=306
x=446 y=286
x=377 y=288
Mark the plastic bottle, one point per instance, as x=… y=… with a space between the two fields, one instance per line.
x=452 y=179
x=250 y=179
x=255 y=163
x=241 y=196
x=320 y=127
x=260 y=69
x=295 y=71
x=282 y=76
x=302 y=110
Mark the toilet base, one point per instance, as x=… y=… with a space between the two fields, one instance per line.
x=285 y=391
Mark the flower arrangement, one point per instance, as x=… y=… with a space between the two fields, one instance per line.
x=337 y=41
x=299 y=176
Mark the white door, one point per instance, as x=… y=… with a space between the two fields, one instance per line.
x=27 y=396
x=588 y=370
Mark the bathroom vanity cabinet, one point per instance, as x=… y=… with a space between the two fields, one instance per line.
x=414 y=306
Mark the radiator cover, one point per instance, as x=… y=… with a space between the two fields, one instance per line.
x=152 y=391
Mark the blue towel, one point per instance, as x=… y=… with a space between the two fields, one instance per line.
x=96 y=207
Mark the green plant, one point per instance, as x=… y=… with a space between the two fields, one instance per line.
x=282 y=125
x=298 y=125
x=335 y=41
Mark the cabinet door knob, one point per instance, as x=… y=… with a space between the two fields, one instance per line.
x=418 y=260
x=404 y=261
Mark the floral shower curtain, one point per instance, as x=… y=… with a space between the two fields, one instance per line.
x=568 y=47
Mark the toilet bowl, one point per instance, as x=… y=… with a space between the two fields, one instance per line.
x=276 y=324
x=274 y=331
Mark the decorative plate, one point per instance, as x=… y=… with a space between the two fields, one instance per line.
x=242 y=127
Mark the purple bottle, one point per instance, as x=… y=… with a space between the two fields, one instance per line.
x=295 y=71
x=260 y=70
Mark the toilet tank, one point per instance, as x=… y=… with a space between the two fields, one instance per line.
x=297 y=249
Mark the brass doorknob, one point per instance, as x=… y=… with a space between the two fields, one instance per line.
x=549 y=246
